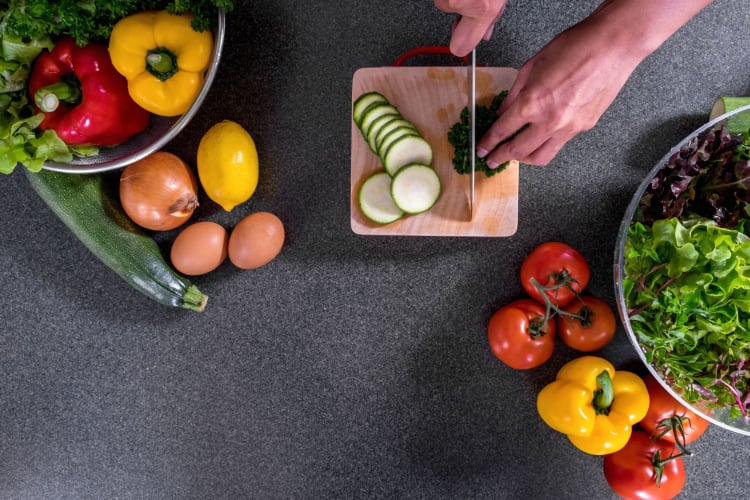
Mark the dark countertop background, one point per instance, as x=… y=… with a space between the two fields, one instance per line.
x=351 y=366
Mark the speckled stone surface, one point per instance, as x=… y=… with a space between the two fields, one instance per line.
x=349 y=367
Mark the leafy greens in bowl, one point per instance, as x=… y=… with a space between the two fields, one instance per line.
x=682 y=271
x=28 y=27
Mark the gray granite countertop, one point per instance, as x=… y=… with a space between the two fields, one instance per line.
x=351 y=366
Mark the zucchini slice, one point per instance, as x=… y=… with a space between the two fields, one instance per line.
x=393 y=136
x=363 y=102
x=373 y=113
x=405 y=150
x=389 y=127
x=415 y=188
x=375 y=199
x=376 y=126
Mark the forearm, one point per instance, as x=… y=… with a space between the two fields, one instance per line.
x=641 y=26
x=564 y=88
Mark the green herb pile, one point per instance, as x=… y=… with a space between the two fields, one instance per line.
x=29 y=26
x=458 y=137
x=687 y=271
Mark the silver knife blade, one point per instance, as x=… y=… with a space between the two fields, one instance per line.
x=472 y=94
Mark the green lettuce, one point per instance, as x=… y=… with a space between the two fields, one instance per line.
x=687 y=288
x=21 y=142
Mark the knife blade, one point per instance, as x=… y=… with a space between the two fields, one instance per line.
x=472 y=97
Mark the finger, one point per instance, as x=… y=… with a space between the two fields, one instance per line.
x=522 y=146
x=544 y=154
x=488 y=33
x=530 y=146
x=446 y=6
x=467 y=34
x=515 y=90
x=504 y=127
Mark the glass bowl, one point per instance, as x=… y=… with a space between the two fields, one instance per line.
x=720 y=416
x=159 y=132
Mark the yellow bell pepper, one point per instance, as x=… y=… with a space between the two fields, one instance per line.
x=594 y=405
x=163 y=59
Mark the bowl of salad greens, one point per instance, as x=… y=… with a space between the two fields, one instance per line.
x=29 y=27
x=682 y=270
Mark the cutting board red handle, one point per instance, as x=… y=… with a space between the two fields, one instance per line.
x=429 y=50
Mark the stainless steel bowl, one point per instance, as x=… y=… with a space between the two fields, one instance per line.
x=718 y=416
x=159 y=132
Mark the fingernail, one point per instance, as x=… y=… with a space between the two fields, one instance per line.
x=481 y=152
x=492 y=164
x=488 y=33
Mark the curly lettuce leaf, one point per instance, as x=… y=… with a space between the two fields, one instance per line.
x=687 y=289
x=20 y=140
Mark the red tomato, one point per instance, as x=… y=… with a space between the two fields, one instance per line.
x=517 y=337
x=559 y=268
x=661 y=410
x=593 y=330
x=632 y=472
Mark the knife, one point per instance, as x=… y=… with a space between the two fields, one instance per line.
x=472 y=94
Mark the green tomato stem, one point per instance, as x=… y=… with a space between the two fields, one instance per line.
x=674 y=425
x=562 y=279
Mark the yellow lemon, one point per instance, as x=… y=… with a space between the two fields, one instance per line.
x=228 y=164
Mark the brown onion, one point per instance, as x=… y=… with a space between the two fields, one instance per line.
x=159 y=192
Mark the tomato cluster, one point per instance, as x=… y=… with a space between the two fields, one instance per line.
x=651 y=465
x=522 y=334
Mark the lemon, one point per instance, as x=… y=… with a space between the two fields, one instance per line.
x=228 y=164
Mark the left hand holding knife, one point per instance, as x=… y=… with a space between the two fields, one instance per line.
x=475 y=24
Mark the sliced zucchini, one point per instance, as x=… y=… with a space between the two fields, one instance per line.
x=373 y=113
x=362 y=103
x=405 y=150
x=415 y=188
x=375 y=127
x=394 y=136
x=375 y=199
x=389 y=127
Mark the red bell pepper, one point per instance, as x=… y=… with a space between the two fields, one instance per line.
x=83 y=98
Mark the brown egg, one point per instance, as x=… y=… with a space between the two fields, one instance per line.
x=256 y=240
x=199 y=248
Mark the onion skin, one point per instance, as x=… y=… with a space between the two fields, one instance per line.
x=159 y=192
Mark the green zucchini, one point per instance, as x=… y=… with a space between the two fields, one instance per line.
x=92 y=211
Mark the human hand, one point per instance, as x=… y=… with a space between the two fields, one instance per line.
x=561 y=91
x=476 y=23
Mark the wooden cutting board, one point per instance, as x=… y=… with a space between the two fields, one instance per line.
x=432 y=98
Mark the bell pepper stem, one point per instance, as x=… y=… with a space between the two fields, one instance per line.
x=49 y=98
x=605 y=394
x=161 y=63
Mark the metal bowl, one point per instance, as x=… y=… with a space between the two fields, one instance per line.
x=159 y=132
x=719 y=416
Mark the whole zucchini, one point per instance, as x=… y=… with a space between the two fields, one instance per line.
x=93 y=212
